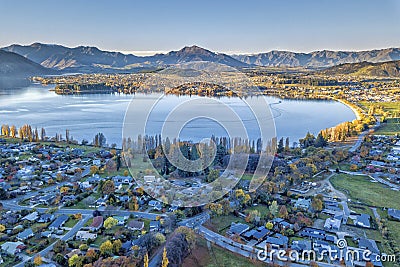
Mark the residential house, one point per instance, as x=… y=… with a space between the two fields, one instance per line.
x=135 y=225
x=363 y=220
x=121 y=219
x=156 y=205
x=332 y=224
x=58 y=222
x=154 y=226
x=97 y=223
x=301 y=245
x=85 y=235
x=368 y=244
x=24 y=235
x=13 y=248
x=46 y=217
x=32 y=217
x=394 y=214
x=302 y=203
x=278 y=241
x=238 y=228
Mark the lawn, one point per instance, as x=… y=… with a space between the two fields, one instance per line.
x=261 y=208
x=222 y=223
x=359 y=188
x=71 y=223
x=215 y=257
x=391 y=127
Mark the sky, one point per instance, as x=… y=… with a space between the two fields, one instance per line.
x=148 y=27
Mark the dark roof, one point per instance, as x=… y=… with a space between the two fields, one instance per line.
x=369 y=244
x=278 y=239
x=238 y=228
x=97 y=222
x=135 y=224
x=394 y=213
x=60 y=220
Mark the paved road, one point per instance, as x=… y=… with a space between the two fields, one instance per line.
x=361 y=136
x=67 y=236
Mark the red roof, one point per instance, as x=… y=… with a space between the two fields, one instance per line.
x=97 y=222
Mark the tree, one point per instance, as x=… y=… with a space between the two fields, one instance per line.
x=108 y=187
x=37 y=260
x=146 y=260
x=269 y=225
x=94 y=169
x=317 y=203
x=2 y=228
x=283 y=213
x=75 y=261
x=117 y=244
x=273 y=208
x=110 y=222
x=60 y=246
x=165 y=260
x=91 y=255
x=106 y=248
x=212 y=176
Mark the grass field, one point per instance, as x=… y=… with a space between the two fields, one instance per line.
x=222 y=223
x=391 y=127
x=359 y=188
x=215 y=257
x=261 y=208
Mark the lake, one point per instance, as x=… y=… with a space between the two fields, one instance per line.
x=86 y=115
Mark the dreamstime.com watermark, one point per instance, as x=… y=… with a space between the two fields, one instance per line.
x=342 y=253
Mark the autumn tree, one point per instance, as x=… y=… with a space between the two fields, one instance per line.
x=106 y=248
x=75 y=261
x=317 y=203
x=110 y=222
x=146 y=260
x=117 y=244
x=108 y=187
x=165 y=260
x=273 y=208
x=283 y=213
x=37 y=260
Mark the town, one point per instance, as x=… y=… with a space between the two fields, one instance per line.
x=68 y=204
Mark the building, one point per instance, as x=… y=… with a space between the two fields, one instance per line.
x=154 y=226
x=332 y=224
x=13 y=248
x=85 y=235
x=97 y=223
x=303 y=203
x=363 y=220
x=135 y=225
x=394 y=214
x=59 y=222
x=24 y=235
x=238 y=228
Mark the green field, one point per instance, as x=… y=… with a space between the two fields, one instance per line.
x=359 y=188
x=222 y=223
x=391 y=127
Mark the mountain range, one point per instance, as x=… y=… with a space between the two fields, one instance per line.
x=84 y=59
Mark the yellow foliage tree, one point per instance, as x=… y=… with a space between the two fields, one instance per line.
x=165 y=260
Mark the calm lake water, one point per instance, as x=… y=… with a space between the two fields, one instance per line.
x=86 y=115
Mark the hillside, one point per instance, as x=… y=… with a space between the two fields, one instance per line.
x=384 y=69
x=14 y=65
x=319 y=59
